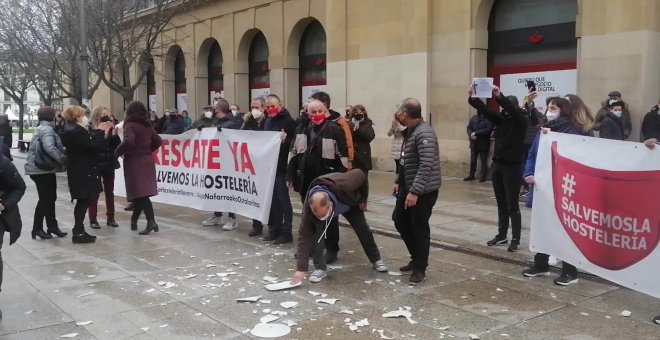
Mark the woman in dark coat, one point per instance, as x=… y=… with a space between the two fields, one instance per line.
x=82 y=149
x=363 y=134
x=140 y=141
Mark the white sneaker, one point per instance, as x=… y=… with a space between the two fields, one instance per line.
x=214 y=220
x=317 y=276
x=230 y=225
x=380 y=266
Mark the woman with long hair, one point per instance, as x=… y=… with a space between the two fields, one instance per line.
x=45 y=157
x=140 y=141
x=107 y=165
x=82 y=148
x=560 y=118
x=582 y=116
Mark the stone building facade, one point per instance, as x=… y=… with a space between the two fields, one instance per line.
x=378 y=52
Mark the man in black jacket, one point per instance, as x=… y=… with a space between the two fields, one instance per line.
x=611 y=126
x=12 y=189
x=510 y=128
x=651 y=123
x=281 y=212
x=479 y=129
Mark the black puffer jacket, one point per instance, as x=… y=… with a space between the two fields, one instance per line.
x=12 y=189
x=534 y=121
x=510 y=129
x=482 y=128
x=282 y=122
x=612 y=127
x=362 y=137
x=107 y=160
x=420 y=161
x=82 y=149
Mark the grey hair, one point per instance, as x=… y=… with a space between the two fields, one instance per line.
x=222 y=105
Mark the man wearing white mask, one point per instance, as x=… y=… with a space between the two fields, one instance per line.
x=206 y=120
x=236 y=112
x=254 y=121
x=328 y=197
x=626 y=120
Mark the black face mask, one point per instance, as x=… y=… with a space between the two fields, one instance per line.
x=105 y=119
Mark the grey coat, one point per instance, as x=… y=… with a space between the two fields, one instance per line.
x=51 y=143
x=421 y=160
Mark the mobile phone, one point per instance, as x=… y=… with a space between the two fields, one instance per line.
x=531 y=86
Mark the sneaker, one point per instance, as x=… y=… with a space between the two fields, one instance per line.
x=94 y=225
x=284 y=239
x=534 y=272
x=468 y=179
x=657 y=320
x=565 y=280
x=380 y=266
x=407 y=268
x=230 y=225
x=513 y=247
x=497 y=241
x=112 y=223
x=417 y=278
x=330 y=257
x=213 y=221
x=317 y=276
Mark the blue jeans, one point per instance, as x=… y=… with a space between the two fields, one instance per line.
x=281 y=212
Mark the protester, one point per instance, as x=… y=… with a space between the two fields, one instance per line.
x=6 y=132
x=82 y=149
x=319 y=148
x=534 y=121
x=155 y=122
x=46 y=156
x=107 y=164
x=626 y=118
x=478 y=130
x=140 y=141
x=582 y=116
x=348 y=112
x=254 y=121
x=330 y=196
x=223 y=119
x=174 y=123
x=281 y=212
x=416 y=188
x=363 y=133
x=206 y=120
x=187 y=121
x=59 y=122
x=510 y=128
x=561 y=119
x=396 y=132
x=12 y=189
x=236 y=112
x=612 y=124
x=651 y=123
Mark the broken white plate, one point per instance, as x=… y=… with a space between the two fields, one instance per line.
x=84 y=323
x=346 y=311
x=249 y=299
x=270 y=330
x=317 y=294
x=86 y=294
x=290 y=323
x=362 y=323
x=395 y=273
x=29 y=312
x=268 y=318
x=327 y=301
x=473 y=336
x=444 y=328
x=150 y=290
x=288 y=304
x=145 y=328
x=70 y=335
x=382 y=335
x=400 y=313
x=226 y=274
x=281 y=286
x=270 y=279
x=626 y=313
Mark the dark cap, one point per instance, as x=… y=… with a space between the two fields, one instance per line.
x=614 y=94
x=207 y=108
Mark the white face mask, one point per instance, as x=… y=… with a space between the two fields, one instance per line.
x=613 y=101
x=84 y=121
x=617 y=113
x=208 y=114
x=551 y=115
x=257 y=114
x=234 y=112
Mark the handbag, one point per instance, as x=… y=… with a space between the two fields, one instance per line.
x=43 y=160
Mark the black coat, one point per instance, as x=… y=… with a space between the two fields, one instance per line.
x=82 y=150
x=107 y=160
x=510 y=129
x=651 y=124
x=282 y=121
x=612 y=127
x=251 y=124
x=6 y=130
x=534 y=121
x=482 y=128
x=12 y=189
x=174 y=125
x=362 y=138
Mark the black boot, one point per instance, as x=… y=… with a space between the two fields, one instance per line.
x=112 y=223
x=56 y=230
x=256 y=231
x=272 y=235
x=84 y=237
x=151 y=226
x=42 y=234
x=94 y=225
x=134 y=224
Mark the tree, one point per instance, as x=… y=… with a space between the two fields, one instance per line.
x=15 y=82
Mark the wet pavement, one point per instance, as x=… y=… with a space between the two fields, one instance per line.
x=178 y=283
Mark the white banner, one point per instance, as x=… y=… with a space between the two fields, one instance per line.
x=548 y=84
x=181 y=102
x=152 y=103
x=259 y=93
x=232 y=171
x=308 y=91
x=597 y=206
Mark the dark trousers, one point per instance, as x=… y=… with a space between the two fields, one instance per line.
x=219 y=214
x=413 y=225
x=483 y=156
x=541 y=263
x=358 y=221
x=2 y=267
x=332 y=235
x=525 y=154
x=506 y=184
x=47 y=191
x=142 y=204
x=397 y=163
x=82 y=204
x=280 y=219
x=108 y=178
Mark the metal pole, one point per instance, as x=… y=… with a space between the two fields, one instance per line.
x=84 y=72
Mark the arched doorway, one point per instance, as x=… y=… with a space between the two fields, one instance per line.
x=533 y=40
x=151 y=85
x=258 y=67
x=313 y=61
x=215 y=76
x=180 y=81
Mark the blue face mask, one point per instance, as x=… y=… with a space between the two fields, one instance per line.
x=617 y=113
